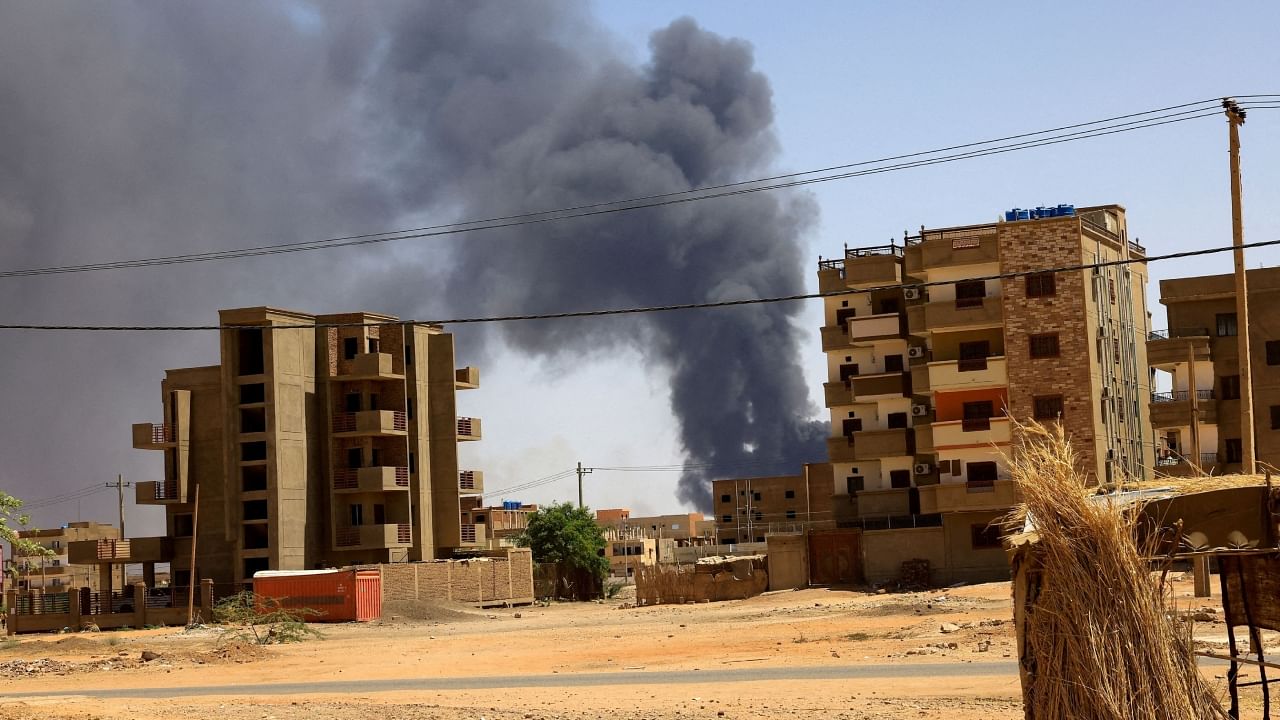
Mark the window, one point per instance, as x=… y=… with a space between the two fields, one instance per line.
x=970 y=293
x=1047 y=407
x=1226 y=324
x=251 y=451
x=253 y=478
x=1230 y=386
x=888 y=306
x=1044 y=345
x=1275 y=417
x=356 y=515
x=981 y=474
x=256 y=537
x=897 y=420
x=182 y=525
x=253 y=420
x=1273 y=352
x=790 y=494
x=256 y=564
x=791 y=514
x=355 y=457
x=413 y=465
x=408 y=402
x=249 y=351
x=726 y=498
x=973 y=355
x=1042 y=284
x=726 y=518
x=900 y=478
x=755 y=496
x=757 y=516
x=353 y=402
x=944 y=466
x=408 y=354
x=985 y=536
x=350 y=346
x=253 y=393
x=379 y=514
x=373 y=345
x=254 y=510
x=893 y=363
x=854 y=484
x=1234 y=450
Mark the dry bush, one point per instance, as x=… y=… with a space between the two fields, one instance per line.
x=1101 y=640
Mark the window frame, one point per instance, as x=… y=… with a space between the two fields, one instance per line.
x=1042 y=284
x=1042 y=406
x=1037 y=348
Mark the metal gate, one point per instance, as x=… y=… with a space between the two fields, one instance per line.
x=835 y=557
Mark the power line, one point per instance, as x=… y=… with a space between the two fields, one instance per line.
x=643 y=309
x=1155 y=118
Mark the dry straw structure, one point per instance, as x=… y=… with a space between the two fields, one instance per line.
x=1097 y=638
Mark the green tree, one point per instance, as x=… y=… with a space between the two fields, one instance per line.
x=11 y=520
x=567 y=535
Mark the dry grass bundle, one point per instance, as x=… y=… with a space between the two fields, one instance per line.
x=1202 y=483
x=1098 y=640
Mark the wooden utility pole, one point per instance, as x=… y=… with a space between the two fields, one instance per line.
x=1235 y=118
x=1193 y=396
x=581 y=471
x=120 y=486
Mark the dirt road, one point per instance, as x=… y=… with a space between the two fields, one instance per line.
x=812 y=653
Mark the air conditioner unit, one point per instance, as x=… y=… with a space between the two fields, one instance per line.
x=915 y=352
x=923 y=468
x=912 y=293
x=919 y=410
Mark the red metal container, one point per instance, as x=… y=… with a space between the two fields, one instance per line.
x=340 y=595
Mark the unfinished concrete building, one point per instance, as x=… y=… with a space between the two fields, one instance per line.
x=310 y=447
x=1197 y=423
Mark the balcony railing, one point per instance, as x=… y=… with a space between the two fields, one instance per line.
x=1180 y=396
x=373 y=535
x=1171 y=459
x=975 y=424
x=468 y=428
x=1178 y=333
x=371 y=479
x=350 y=421
x=971 y=364
x=346 y=478
x=468 y=533
x=1136 y=248
x=467 y=479
x=890 y=249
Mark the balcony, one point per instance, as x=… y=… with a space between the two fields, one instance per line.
x=831 y=276
x=370 y=423
x=840 y=449
x=837 y=394
x=370 y=366
x=924 y=437
x=471 y=482
x=875 y=327
x=961 y=497
x=1173 y=409
x=976 y=432
x=155 y=492
x=474 y=535
x=466 y=378
x=373 y=537
x=876 y=444
x=468 y=428
x=835 y=337
x=370 y=479
x=131 y=550
x=881 y=503
x=962 y=314
x=949 y=248
x=152 y=436
x=1172 y=464
x=1170 y=347
x=969 y=374
x=884 y=384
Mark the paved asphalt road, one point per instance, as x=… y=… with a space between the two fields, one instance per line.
x=836 y=672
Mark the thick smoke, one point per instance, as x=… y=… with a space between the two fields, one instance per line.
x=148 y=129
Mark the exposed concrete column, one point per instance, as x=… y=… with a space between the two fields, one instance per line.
x=149 y=574
x=11 y=602
x=37 y=594
x=206 y=598
x=73 y=608
x=139 y=605
x=104 y=578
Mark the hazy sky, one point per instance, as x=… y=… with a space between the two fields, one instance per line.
x=849 y=82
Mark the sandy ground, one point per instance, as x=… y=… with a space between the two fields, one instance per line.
x=898 y=634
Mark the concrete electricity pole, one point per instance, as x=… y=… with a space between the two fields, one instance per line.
x=120 y=486
x=581 y=471
x=1235 y=118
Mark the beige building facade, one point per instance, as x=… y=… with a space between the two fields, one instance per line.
x=747 y=510
x=57 y=570
x=1195 y=363
x=924 y=382
x=312 y=447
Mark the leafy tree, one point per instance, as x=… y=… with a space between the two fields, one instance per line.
x=11 y=521
x=567 y=535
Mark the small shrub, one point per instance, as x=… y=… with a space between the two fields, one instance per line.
x=611 y=589
x=858 y=636
x=262 y=620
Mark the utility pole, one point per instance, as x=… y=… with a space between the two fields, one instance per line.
x=581 y=471
x=120 y=485
x=1235 y=118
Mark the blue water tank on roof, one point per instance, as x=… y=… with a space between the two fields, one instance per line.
x=1024 y=214
x=1067 y=210
x=1011 y=215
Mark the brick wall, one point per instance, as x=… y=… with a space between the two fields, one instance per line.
x=1036 y=245
x=479 y=581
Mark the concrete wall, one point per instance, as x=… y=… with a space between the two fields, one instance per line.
x=885 y=550
x=732 y=579
x=788 y=561
x=751 y=505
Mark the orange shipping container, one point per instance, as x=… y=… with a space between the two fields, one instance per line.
x=340 y=595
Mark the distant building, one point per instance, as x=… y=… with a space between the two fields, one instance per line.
x=628 y=554
x=309 y=447
x=1203 y=329
x=683 y=528
x=748 y=509
x=496 y=525
x=56 y=571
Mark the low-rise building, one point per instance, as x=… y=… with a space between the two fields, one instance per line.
x=56 y=570
x=683 y=528
x=501 y=524
x=748 y=509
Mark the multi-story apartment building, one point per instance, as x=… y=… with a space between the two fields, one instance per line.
x=1200 y=431
x=498 y=525
x=684 y=528
x=55 y=570
x=748 y=509
x=310 y=447
x=931 y=358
